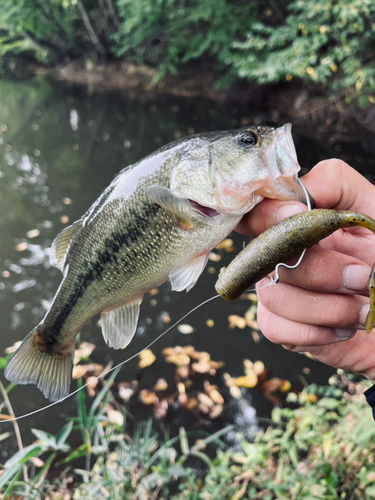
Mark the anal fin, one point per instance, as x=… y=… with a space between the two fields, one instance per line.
x=186 y=276
x=119 y=325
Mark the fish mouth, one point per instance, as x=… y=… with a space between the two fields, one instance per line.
x=209 y=212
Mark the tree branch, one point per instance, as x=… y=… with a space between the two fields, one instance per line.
x=90 y=30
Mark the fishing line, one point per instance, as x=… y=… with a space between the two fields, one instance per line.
x=114 y=367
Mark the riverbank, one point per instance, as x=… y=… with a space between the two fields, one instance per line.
x=294 y=101
x=323 y=448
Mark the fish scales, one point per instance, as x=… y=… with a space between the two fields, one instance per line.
x=159 y=219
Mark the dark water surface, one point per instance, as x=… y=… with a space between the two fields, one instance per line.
x=58 y=144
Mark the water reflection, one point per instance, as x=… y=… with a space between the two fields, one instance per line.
x=59 y=148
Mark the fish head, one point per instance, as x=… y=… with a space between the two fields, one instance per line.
x=232 y=171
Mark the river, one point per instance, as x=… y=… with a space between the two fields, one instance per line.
x=60 y=146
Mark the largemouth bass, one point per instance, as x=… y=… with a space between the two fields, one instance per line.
x=159 y=219
x=285 y=240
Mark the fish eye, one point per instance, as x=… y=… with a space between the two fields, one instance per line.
x=247 y=139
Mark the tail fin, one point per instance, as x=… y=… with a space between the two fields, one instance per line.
x=50 y=371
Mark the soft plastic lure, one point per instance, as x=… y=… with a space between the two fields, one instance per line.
x=284 y=241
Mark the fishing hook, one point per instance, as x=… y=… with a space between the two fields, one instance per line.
x=309 y=204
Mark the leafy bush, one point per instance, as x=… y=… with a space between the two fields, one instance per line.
x=329 y=42
x=172 y=32
x=324 y=449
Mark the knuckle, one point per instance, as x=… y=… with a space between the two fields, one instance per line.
x=334 y=167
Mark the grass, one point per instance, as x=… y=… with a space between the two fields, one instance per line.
x=323 y=448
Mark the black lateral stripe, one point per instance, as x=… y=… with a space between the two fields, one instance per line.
x=140 y=222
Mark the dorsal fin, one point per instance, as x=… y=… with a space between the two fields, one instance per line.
x=60 y=245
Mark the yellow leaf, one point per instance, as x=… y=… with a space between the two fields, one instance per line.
x=247 y=381
x=146 y=358
x=236 y=321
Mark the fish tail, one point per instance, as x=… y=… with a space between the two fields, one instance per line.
x=49 y=370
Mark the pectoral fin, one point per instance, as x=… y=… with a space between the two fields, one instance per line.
x=119 y=325
x=186 y=276
x=60 y=246
x=179 y=207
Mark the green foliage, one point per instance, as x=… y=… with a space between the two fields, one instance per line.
x=170 y=33
x=44 y=26
x=324 y=43
x=324 y=449
x=329 y=42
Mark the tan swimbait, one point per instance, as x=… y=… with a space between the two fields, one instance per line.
x=158 y=219
x=284 y=241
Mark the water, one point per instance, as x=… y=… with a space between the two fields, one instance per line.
x=60 y=147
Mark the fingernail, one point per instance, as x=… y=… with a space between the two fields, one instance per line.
x=287 y=210
x=363 y=316
x=344 y=334
x=356 y=277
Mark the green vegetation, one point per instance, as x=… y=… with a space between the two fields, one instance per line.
x=322 y=449
x=327 y=44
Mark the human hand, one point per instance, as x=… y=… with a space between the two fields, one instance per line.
x=321 y=306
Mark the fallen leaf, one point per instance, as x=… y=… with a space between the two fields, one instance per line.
x=185 y=329
x=258 y=368
x=248 y=366
x=115 y=417
x=202 y=366
x=183 y=372
x=216 y=411
x=79 y=371
x=84 y=351
x=200 y=355
x=286 y=386
x=216 y=397
x=248 y=381
x=178 y=359
x=160 y=409
x=92 y=383
x=235 y=392
x=205 y=400
x=126 y=390
x=255 y=336
x=188 y=349
x=36 y=461
x=147 y=358
x=236 y=321
x=191 y=404
x=181 y=388
x=148 y=397
x=161 y=385
x=215 y=257
x=13 y=348
x=225 y=244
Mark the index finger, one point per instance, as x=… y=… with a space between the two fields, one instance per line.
x=332 y=184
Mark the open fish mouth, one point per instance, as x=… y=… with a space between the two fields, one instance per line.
x=209 y=212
